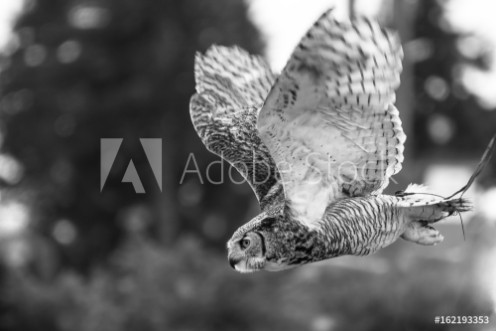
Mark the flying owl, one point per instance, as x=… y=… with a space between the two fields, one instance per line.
x=318 y=144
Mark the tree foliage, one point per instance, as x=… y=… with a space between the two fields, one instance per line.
x=447 y=116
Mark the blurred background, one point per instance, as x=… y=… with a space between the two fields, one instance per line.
x=74 y=258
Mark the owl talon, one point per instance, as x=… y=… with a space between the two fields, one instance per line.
x=420 y=233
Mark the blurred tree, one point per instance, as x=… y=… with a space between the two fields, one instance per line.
x=90 y=69
x=446 y=114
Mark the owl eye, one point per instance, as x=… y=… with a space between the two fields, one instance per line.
x=244 y=243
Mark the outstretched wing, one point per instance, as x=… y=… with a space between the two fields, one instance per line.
x=329 y=120
x=231 y=86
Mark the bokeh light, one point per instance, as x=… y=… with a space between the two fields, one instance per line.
x=89 y=15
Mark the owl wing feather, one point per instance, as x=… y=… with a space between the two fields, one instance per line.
x=231 y=86
x=329 y=120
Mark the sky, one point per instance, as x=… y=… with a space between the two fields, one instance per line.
x=8 y=10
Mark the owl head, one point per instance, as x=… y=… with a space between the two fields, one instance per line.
x=261 y=244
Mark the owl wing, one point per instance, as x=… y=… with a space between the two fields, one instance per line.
x=329 y=120
x=230 y=88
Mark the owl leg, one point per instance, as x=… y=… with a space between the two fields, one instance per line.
x=421 y=233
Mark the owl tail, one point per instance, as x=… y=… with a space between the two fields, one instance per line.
x=433 y=210
x=422 y=203
x=423 y=213
x=430 y=207
x=424 y=208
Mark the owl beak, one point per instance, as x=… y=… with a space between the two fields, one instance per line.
x=233 y=262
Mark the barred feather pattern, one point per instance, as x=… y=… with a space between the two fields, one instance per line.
x=231 y=86
x=330 y=115
x=363 y=225
x=351 y=226
x=234 y=78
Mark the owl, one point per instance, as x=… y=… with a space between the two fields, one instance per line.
x=318 y=144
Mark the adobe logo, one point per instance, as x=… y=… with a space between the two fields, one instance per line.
x=109 y=148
